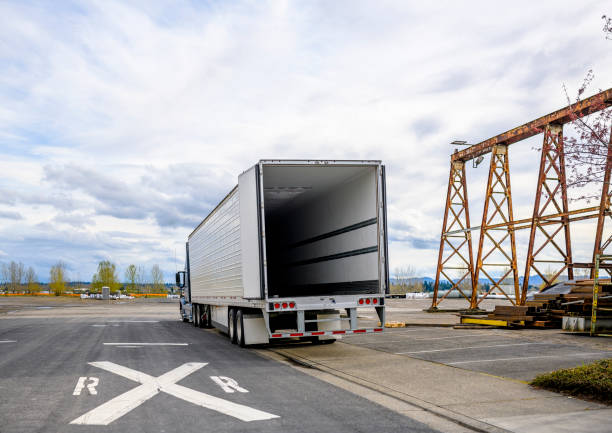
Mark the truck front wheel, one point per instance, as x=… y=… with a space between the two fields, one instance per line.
x=231 y=325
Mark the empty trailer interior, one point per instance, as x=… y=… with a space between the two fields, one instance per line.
x=322 y=229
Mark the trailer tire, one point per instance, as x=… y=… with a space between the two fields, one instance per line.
x=201 y=321
x=208 y=320
x=195 y=312
x=231 y=325
x=240 y=329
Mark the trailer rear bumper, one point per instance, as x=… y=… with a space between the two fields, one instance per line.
x=276 y=335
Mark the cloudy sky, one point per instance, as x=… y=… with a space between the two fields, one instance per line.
x=123 y=123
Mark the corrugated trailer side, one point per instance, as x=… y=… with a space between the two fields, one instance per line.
x=214 y=252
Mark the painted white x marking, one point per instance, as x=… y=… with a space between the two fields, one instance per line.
x=150 y=386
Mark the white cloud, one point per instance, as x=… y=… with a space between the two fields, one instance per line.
x=135 y=119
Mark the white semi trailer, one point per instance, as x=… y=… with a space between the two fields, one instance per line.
x=291 y=252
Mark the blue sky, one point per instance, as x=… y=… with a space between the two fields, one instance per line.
x=123 y=123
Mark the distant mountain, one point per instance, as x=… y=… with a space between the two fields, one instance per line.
x=534 y=280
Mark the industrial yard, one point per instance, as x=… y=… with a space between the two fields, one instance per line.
x=488 y=370
x=296 y=216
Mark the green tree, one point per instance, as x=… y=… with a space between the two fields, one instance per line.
x=106 y=276
x=57 y=278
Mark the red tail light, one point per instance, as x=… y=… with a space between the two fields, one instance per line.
x=367 y=301
x=375 y=301
x=284 y=305
x=292 y=304
x=361 y=302
x=277 y=305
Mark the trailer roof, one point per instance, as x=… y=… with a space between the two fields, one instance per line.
x=213 y=211
x=320 y=161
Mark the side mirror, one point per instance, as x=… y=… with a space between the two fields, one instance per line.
x=180 y=279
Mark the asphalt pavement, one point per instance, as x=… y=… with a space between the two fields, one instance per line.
x=84 y=374
x=493 y=351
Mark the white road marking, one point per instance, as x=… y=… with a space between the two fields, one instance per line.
x=8 y=341
x=79 y=385
x=150 y=386
x=146 y=344
x=228 y=384
x=464 y=348
x=529 y=357
x=91 y=386
x=129 y=347
x=98 y=326
x=457 y=336
x=133 y=321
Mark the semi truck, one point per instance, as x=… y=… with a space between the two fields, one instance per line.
x=292 y=252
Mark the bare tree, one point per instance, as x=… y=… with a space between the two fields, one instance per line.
x=586 y=154
x=4 y=274
x=31 y=280
x=15 y=273
x=607 y=28
x=58 y=278
x=404 y=276
x=157 y=279
x=131 y=277
x=141 y=279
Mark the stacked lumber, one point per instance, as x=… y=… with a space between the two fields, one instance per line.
x=575 y=300
x=547 y=308
x=510 y=313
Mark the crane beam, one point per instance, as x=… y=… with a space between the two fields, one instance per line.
x=571 y=112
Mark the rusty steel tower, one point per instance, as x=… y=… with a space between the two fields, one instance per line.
x=549 y=224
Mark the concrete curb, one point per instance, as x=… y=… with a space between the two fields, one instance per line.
x=454 y=417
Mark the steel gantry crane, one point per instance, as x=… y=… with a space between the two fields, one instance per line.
x=496 y=259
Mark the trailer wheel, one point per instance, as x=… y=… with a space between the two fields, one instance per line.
x=201 y=320
x=240 y=329
x=208 y=320
x=195 y=312
x=231 y=325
